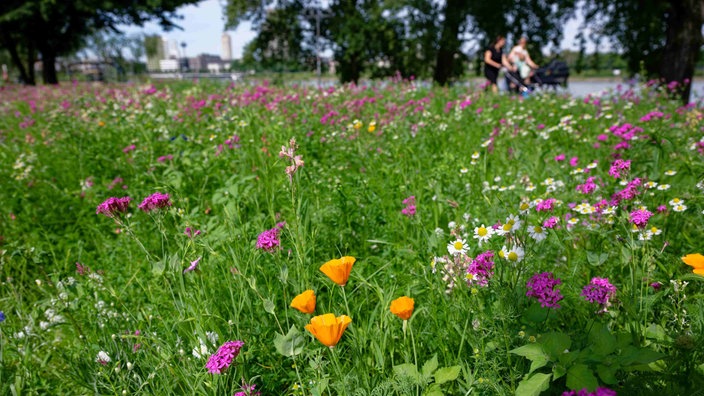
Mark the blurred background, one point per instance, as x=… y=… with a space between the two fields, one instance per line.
x=344 y=40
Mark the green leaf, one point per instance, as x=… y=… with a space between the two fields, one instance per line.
x=290 y=344
x=430 y=366
x=637 y=356
x=319 y=387
x=579 y=376
x=555 y=344
x=533 y=385
x=447 y=374
x=158 y=268
x=607 y=374
x=596 y=259
x=558 y=371
x=530 y=351
x=604 y=343
x=433 y=390
x=269 y=306
x=407 y=370
x=538 y=363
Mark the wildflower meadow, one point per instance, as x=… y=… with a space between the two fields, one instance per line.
x=196 y=238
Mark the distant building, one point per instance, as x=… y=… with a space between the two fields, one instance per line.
x=226 y=47
x=154 y=48
x=202 y=62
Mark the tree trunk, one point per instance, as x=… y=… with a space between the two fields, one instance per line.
x=683 y=42
x=449 y=41
x=49 y=66
x=17 y=61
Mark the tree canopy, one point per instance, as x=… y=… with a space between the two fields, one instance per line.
x=426 y=37
x=48 y=28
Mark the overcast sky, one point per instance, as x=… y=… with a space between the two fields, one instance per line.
x=203 y=26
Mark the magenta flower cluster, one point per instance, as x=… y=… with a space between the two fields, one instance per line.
x=481 y=269
x=410 y=209
x=551 y=222
x=618 y=166
x=639 y=217
x=222 y=359
x=247 y=390
x=599 y=291
x=269 y=239
x=585 y=392
x=542 y=287
x=545 y=205
x=155 y=201
x=113 y=206
x=588 y=187
x=628 y=193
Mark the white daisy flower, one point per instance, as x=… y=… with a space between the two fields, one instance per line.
x=537 y=233
x=475 y=155
x=482 y=234
x=670 y=172
x=650 y=184
x=680 y=208
x=655 y=231
x=457 y=247
x=515 y=255
x=645 y=236
x=664 y=187
x=676 y=201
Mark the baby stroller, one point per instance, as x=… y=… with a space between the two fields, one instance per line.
x=516 y=84
x=553 y=74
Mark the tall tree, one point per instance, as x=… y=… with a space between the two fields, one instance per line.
x=55 y=28
x=664 y=36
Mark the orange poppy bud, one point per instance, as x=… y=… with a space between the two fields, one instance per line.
x=328 y=329
x=304 y=302
x=695 y=260
x=338 y=270
x=402 y=307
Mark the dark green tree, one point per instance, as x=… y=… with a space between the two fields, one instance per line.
x=55 y=28
x=664 y=36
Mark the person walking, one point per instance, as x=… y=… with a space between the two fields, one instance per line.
x=494 y=59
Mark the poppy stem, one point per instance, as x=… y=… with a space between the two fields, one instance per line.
x=344 y=297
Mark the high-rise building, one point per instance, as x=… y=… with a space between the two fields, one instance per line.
x=226 y=47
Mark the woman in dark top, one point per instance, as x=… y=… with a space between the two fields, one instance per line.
x=494 y=58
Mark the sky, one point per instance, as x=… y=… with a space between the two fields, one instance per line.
x=203 y=25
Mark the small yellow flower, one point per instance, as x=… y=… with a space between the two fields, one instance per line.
x=402 y=307
x=372 y=127
x=304 y=302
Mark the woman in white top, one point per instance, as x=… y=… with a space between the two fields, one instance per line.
x=520 y=57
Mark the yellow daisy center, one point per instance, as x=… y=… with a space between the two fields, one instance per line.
x=538 y=229
x=501 y=253
x=482 y=231
x=525 y=206
x=458 y=245
x=513 y=256
x=507 y=227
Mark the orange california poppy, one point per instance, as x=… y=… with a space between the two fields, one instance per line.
x=695 y=260
x=304 y=302
x=327 y=328
x=338 y=270
x=402 y=307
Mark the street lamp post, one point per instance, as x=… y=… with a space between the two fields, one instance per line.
x=184 y=61
x=318 y=14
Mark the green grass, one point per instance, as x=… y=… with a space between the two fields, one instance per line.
x=466 y=163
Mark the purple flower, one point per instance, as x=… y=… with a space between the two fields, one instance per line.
x=222 y=359
x=165 y=158
x=545 y=205
x=551 y=222
x=193 y=266
x=113 y=206
x=247 y=390
x=574 y=161
x=82 y=269
x=481 y=269
x=618 y=166
x=588 y=187
x=269 y=240
x=560 y=157
x=190 y=233
x=656 y=286
x=542 y=287
x=585 y=392
x=639 y=217
x=599 y=291
x=129 y=148
x=2 y=316
x=155 y=201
